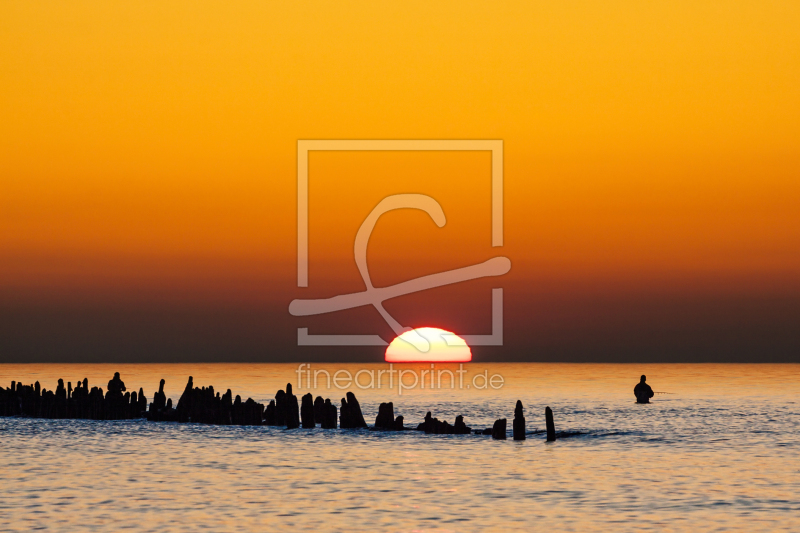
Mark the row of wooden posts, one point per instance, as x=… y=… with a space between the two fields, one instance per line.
x=205 y=406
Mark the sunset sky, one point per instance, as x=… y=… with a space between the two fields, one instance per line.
x=148 y=165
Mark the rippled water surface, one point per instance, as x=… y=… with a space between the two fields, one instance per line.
x=721 y=453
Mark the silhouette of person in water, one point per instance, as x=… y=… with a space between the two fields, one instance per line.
x=643 y=391
x=116 y=386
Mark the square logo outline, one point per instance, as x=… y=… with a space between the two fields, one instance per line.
x=304 y=146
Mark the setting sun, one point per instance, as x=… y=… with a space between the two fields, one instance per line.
x=443 y=347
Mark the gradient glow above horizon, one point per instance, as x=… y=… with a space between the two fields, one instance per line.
x=148 y=164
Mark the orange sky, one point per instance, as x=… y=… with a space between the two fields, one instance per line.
x=148 y=169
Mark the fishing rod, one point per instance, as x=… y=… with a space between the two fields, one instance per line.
x=656 y=392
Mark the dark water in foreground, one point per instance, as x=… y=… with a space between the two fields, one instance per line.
x=722 y=453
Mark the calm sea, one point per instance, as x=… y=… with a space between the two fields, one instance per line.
x=720 y=453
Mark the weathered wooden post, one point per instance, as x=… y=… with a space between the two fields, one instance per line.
x=329 y=422
x=292 y=409
x=385 y=418
x=319 y=410
x=307 y=411
x=519 y=422
x=499 y=429
x=351 y=416
x=551 y=427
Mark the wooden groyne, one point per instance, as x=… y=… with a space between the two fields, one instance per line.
x=204 y=405
x=81 y=402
